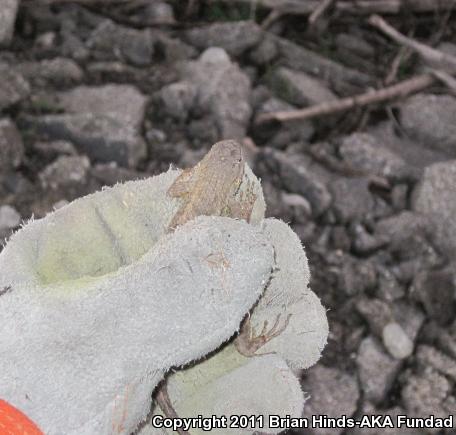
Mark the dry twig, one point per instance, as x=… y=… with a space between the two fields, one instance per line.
x=401 y=89
x=359 y=7
x=429 y=54
x=319 y=11
x=446 y=78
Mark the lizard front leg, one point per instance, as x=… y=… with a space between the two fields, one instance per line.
x=241 y=206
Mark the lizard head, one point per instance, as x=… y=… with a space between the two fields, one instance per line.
x=231 y=160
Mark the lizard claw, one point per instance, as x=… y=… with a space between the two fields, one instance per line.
x=248 y=343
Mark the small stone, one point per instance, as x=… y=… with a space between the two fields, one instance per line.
x=223 y=91
x=174 y=49
x=364 y=242
x=299 y=88
x=265 y=52
x=364 y=152
x=396 y=341
x=13 y=86
x=297 y=176
x=435 y=289
x=178 y=99
x=9 y=219
x=352 y=199
x=103 y=138
x=51 y=150
x=108 y=174
x=376 y=313
x=389 y=289
x=409 y=317
x=377 y=370
x=424 y=394
x=430 y=356
x=355 y=276
x=159 y=11
x=434 y=196
x=58 y=71
x=65 y=172
x=299 y=206
x=11 y=146
x=431 y=119
x=333 y=393
x=355 y=44
x=8 y=11
x=234 y=37
x=122 y=102
x=111 y=41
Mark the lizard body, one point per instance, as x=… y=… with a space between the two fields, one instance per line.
x=210 y=187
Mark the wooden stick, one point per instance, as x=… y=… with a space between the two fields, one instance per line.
x=447 y=79
x=445 y=60
x=359 y=7
x=319 y=11
x=400 y=89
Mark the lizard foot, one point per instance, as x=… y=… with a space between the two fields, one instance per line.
x=247 y=343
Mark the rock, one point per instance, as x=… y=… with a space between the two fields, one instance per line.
x=429 y=356
x=103 y=138
x=370 y=410
x=121 y=102
x=111 y=41
x=352 y=199
x=11 y=146
x=409 y=317
x=355 y=276
x=364 y=152
x=8 y=12
x=223 y=91
x=159 y=11
x=354 y=44
x=51 y=150
x=296 y=174
x=58 y=71
x=13 y=86
x=9 y=220
x=343 y=80
x=174 y=49
x=396 y=341
x=299 y=206
x=424 y=394
x=178 y=99
x=298 y=88
x=377 y=370
x=435 y=289
x=431 y=119
x=435 y=197
x=389 y=289
x=333 y=393
x=65 y=173
x=363 y=241
x=339 y=238
x=265 y=52
x=234 y=37
x=376 y=313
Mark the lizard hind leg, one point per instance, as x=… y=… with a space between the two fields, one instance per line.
x=248 y=343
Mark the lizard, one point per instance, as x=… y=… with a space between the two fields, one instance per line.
x=210 y=187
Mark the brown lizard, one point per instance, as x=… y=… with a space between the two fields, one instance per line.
x=210 y=187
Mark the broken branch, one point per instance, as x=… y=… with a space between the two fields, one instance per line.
x=401 y=89
x=446 y=61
